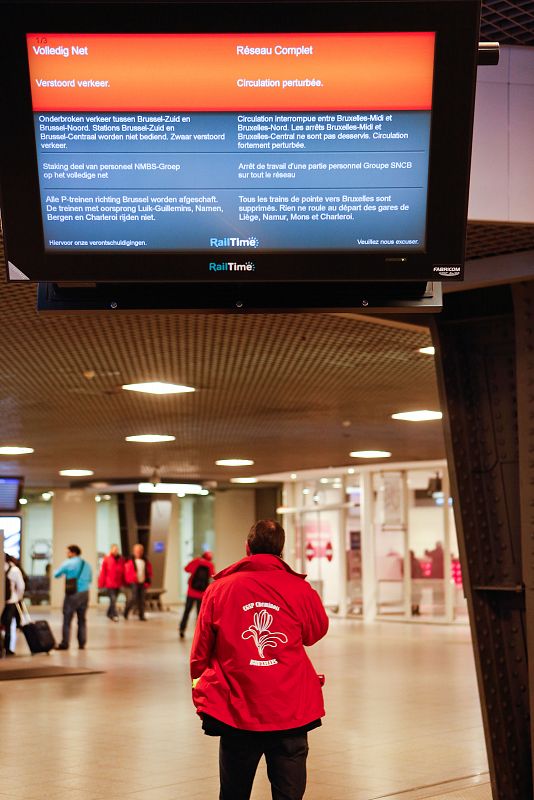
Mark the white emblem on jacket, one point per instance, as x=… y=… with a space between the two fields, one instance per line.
x=259 y=631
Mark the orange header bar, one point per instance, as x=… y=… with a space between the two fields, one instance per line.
x=231 y=72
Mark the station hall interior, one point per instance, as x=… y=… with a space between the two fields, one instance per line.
x=360 y=433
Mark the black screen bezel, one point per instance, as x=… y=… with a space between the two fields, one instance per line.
x=456 y=25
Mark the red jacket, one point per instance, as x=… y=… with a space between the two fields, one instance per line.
x=192 y=568
x=130 y=572
x=111 y=573
x=248 y=649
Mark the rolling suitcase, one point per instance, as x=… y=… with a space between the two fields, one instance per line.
x=38 y=635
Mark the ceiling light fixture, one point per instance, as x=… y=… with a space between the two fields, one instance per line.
x=234 y=462
x=169 y=488
x=370 y=454
x=351 y=471
x=324 y=480
x=428 y=351
x=417 y=416
x=76 y=473
x=15 y=451
x=243 y=480
x=293 y=476
x=47 y=496
x=150 y=437
x=23 y=501
x=157 y=387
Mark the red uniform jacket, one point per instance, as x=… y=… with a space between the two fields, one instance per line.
x=130 y=573
x=248 y=649
x=111 y=573
x=192 y=568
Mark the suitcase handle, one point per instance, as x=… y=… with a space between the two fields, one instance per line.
x=25 y=617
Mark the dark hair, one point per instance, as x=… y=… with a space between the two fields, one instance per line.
x=266 y=536
x=73 y=548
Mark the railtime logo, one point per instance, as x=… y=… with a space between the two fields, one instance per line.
x=234 y=241
x=231 y=266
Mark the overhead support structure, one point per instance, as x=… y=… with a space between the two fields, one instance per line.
x=485 y=361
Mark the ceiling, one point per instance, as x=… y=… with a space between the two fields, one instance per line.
x=289 y=391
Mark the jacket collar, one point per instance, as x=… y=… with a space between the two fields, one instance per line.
x=261 y=562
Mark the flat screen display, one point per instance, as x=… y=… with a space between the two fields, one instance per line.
x=10 y=530
x=9 y=493
x=237 y=143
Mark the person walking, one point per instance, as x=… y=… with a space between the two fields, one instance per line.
x=78 y=576
x=111 y=579
x=14 y=594
x=201 y=572
x=138 y=574
x=253 y=684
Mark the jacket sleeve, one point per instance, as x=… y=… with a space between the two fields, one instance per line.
x=18 y=586
x=102 y=576
x=204 y=638
x=149 y=571
x=212 y=569
x=62 y=570
x=315 y=622
x=191 y=566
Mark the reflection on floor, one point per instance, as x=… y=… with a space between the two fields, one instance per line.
x=403 y=718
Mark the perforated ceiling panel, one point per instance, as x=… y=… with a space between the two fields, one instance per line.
x=507 y=22
x=288 y=391
x=486 y=239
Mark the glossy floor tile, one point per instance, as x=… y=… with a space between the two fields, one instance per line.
x=402 y=718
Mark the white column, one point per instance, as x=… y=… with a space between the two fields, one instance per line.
x=369 y=587
x=342 y=561
x=74 y=522
x=173 y=565
x=234 y=515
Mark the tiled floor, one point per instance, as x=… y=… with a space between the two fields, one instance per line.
x=403 y=719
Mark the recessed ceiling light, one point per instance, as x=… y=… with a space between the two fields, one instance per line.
x=170 y=488
x=157 y=387
x=305 y=491
x=428 y=351
x=47 y=496
x=76 y=473
x=293 y=476
x=351 y=471
x=150 y=437
x=324 y=480
x=234 y=462
x=370 y=454
x=15 y=451
x=243 y=480
x=23 y=501
x=417 y=416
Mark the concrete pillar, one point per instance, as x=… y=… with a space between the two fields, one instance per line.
x=173 y=565
x=234 y=514
x=74 y=522
x=369 y=586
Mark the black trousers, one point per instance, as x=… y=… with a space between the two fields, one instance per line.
x=112 y=610
x=189 y=603
x=137 y=598
x=75 y=604
x=239 y=756
x=10 y=611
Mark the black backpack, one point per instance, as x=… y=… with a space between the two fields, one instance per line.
x=200 y=579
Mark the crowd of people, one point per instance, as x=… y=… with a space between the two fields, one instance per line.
x=130 y=576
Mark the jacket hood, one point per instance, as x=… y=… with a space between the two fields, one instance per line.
x=261 y=562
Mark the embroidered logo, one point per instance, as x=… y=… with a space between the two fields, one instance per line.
x=262 y=636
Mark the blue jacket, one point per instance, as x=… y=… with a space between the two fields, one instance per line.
x=71 y=568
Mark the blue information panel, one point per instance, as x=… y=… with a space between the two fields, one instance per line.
x=201 y=181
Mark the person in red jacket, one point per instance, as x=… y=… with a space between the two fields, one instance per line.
x=201 y=572
x=253 y=683
x=111 y=579
x=137 y=573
